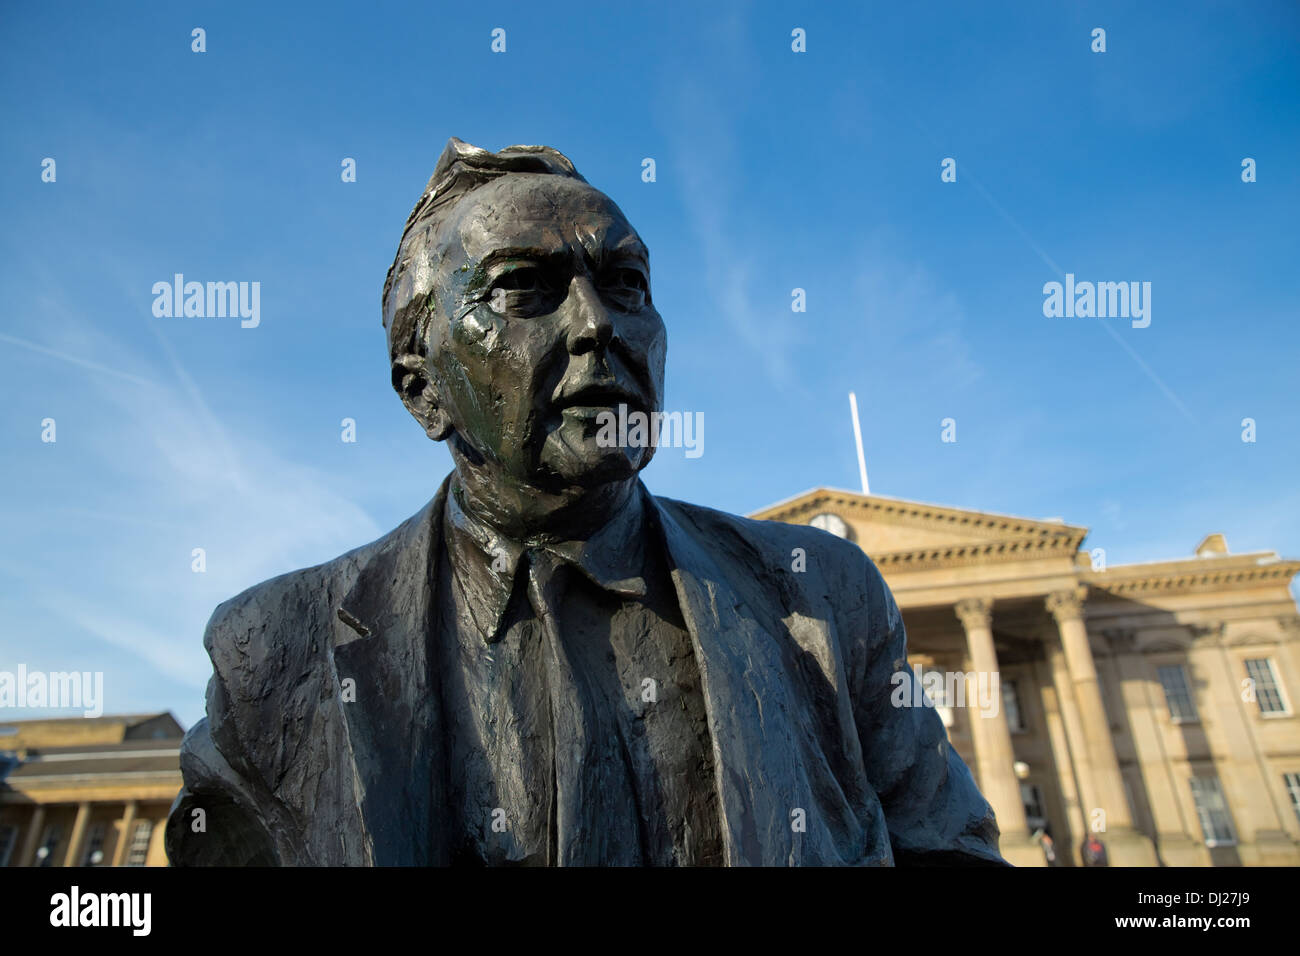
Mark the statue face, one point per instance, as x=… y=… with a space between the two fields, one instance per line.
x=545 y=290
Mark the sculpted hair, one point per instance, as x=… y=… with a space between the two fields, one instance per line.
x=461 y=169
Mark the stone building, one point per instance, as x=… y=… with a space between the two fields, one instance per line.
x=1148 y=703
x=80 y=791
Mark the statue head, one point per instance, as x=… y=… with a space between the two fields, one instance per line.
x=518 y=310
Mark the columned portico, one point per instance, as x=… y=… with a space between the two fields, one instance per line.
x=1148 y=726
x=87 y=791
x=995 y=759
x=27 y=857
x=72 y=858
x=124 y=833
x=1055 y=718
x=1102 y=784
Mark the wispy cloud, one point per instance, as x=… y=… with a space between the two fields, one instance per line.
x=705 y=147
x=168 y=477
x=73 y=359
x=905 y=312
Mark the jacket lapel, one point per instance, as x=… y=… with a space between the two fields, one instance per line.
x=753 y=712
x=761 y=730
x=392 y=714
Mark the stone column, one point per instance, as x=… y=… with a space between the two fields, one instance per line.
x=1069 y=832
x=1105 y=788
x=1077 y=751
x=124 y=840
x=994 y=757
x=78 y=834
x=28 y=855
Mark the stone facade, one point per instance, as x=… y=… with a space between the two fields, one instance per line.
x=1148 y=703
x=87 y=791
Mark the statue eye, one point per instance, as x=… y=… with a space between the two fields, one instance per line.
x=523 y=279
x=524 y=291
x=632 y=278
x=627 y=287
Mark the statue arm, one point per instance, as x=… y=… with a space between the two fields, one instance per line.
x=935 y=812
x=222 y=816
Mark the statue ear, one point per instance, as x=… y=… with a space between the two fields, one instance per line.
x=420 y=395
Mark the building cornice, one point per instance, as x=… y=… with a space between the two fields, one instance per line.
x=1005 y=539
x=1192 y=575
x=993 y=537
x=902 y=511
x=107 y=777
x=975 y=552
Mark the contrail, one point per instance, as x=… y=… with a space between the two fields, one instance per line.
x=1042 y=254
x=76 y=361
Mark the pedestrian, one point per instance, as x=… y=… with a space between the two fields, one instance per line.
x=1094 y=851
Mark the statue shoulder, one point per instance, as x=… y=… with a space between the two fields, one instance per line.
x=280 y=629
x=834 y=556
x=270 y=651
x=286 y=618
x=799 y=565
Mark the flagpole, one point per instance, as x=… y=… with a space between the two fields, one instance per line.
x=857 y=434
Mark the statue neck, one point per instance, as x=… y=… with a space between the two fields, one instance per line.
x=525 y=513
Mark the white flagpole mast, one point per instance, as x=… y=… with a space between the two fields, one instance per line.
x=857 y=434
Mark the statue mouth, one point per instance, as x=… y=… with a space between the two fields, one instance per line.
x=597 y=398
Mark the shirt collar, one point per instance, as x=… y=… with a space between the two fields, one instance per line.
x=484 y=562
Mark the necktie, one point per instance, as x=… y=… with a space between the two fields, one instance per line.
x=590 y=779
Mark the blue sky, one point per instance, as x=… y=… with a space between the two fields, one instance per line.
x=775 y=170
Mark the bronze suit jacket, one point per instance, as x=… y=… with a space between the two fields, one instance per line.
x=321 y=744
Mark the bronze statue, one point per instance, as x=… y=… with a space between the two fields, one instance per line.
x=547 y=665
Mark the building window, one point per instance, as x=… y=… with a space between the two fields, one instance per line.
x=49 y=843
x=1292 y=788
x=1035 y=813
x=9 y=837
x=139 y=850
x=94 y=844
x=1011 y=705
x=1268 y=691
x=1212 y=808
x=1178 y=693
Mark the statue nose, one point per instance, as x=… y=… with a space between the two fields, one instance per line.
x=590 y=324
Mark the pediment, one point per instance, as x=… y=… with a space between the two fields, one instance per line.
x=884 y=526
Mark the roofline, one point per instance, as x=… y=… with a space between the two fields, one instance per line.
x=101 y=777
x=1180 y=564
x=1200 y=559
x=100 y=754
x=793 y=498
x=102 y=719
x=1065 y=527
